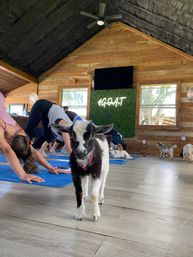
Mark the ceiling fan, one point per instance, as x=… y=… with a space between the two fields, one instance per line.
x=101 y=19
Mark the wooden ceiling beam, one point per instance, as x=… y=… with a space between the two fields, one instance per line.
x=8 y=68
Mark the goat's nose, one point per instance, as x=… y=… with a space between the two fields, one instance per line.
x=82 y=153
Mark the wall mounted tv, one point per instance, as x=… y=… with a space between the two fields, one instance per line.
x=113 y=78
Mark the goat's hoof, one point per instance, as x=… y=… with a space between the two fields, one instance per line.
x=80 y=213
x=101 y=201
x=96 y=216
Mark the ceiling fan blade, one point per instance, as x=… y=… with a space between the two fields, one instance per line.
x=107 y=25
x=102 y=7
x=88 y=15
x=91 y=25
x=113 y=17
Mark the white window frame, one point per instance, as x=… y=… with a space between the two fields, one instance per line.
x=23 y=113
x=176 y=106
x=72 y=105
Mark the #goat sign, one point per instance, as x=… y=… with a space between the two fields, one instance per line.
x=118 y=101
x=117 y=106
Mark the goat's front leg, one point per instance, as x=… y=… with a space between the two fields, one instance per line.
x=171 y=154
x=103 y=183
x=85 y=181
x=95 y=197
x=80 y=212
x=101 y=191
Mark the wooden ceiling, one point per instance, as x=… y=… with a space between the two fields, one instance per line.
x=10 y=81
x=12 y=78
x=36 y=34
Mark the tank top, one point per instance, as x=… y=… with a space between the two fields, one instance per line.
x=8 y=120
x=3 y=113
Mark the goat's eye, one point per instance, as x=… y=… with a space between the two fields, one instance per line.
x=87 y=136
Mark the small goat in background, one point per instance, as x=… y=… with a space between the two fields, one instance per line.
x=166 y=150
x=89 y=158
x=187 y=152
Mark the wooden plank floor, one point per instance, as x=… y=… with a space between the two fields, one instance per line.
x=148 y=211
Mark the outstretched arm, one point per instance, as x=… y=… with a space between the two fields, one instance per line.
x=66 y=139
x=14 y=162
x=40 y=158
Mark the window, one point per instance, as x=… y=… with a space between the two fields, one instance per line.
x=76 y=99
x=158 y=105
x=17 y=109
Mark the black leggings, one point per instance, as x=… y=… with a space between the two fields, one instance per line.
x=39 y=113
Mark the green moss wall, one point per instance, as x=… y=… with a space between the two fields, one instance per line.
x=117 y=106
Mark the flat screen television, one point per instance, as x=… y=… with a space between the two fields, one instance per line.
x=113 y=78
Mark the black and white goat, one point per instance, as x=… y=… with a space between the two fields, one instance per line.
x=89 y=158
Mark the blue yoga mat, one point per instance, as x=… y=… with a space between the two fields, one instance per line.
x=63 y=164
x=51 y=180
x=2 y=158
x=62 y=157
x=63 y=161
x=118 y=161
x=59 y=158
x=122 y=161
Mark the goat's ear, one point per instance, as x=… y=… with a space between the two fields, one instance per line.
x=61 y=128
x=103 y=129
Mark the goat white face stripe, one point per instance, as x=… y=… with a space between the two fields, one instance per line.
x=79 y=129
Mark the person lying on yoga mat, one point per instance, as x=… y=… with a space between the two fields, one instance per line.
x=48 y=113
x=10 y=131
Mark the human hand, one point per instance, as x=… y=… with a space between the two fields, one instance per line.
x=54 y=170
x=65 y=171
x=30 y=177
x=57 y=170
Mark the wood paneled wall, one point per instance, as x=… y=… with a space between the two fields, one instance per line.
x=21 y=95
x=153 y=62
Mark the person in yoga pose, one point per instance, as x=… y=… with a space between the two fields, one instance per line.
x=71 y=115
x=48 y=113
x=11 y=135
